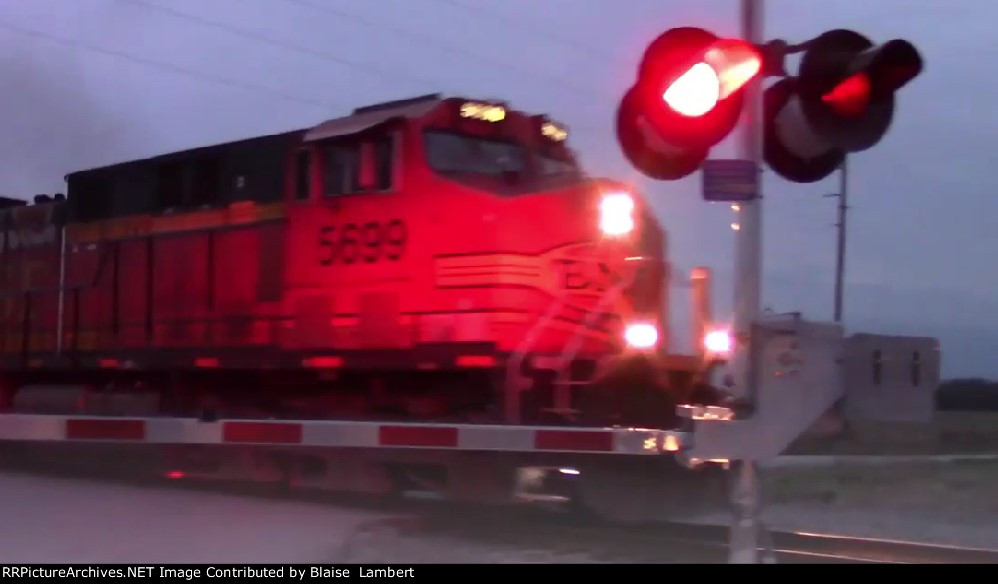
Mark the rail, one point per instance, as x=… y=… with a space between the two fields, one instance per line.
x=686 y=542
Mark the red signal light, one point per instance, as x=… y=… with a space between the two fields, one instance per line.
x=851 y=97
x=841 y=101
x=695 y=93
x=686 y=98
x=727 y=66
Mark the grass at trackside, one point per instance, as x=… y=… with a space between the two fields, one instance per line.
x=962 y=486
x=948 y=433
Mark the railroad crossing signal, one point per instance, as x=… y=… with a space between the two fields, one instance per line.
x=688 y=96
x=841 y=101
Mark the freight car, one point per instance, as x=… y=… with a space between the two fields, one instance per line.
x=429 y=259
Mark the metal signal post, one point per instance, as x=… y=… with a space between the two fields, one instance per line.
x=748 y=238
x=840 y=256
x=746 y=529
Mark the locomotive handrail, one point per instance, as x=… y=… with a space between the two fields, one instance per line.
x=511 y=395
x=572 y=347
x=513 y=374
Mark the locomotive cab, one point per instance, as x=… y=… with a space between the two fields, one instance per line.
x=441 y=221
x=465 y=233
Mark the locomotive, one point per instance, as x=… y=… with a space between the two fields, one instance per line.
x=434 y=258
x=425 y=296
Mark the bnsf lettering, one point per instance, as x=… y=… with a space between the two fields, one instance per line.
x=366 y=243
x=573 y=276
x=579 y=276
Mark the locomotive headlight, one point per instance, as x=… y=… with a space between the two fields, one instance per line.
x=616 y=214
x=717 y=342
x=641 y=335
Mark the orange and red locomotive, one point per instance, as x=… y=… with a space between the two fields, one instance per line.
x=413 y=250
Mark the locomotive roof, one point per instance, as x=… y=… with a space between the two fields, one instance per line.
x=7 y=202
x=370 y=116
x=359 y=120
x=189 y=152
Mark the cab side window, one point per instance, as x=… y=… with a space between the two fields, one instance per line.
x=355 y=165
x=303 y=174
x=384 y=162
x=340 y=166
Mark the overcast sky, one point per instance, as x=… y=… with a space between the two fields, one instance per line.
x=88 y=82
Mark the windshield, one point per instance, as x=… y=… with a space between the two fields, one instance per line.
x=551 y=165
x=447 y=152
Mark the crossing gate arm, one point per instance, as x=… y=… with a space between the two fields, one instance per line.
x=342 y=434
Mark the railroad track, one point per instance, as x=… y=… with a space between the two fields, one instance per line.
x=564 y=532
x=677 y=542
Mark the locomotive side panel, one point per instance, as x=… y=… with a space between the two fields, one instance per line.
x=235 y=285
x=11 y=297
x=268 y=314
x=89 y=271
x=43 y=312
x=134 y=293
x=31 y=236
x=165 y=252
x=81 y=267
x=180 y=297
x=11 y=306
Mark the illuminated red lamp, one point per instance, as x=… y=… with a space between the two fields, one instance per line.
x=695 y=93
x=685 y=100
x=851 y=97
x=841 y=101
x=727 y=66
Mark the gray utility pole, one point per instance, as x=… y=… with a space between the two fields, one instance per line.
x=747 y=531
x=840 y=259
x=748 y=238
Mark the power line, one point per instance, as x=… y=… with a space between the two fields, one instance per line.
x=326 y=105
x=370 y=69
x=200 y=75
x=429 y=41
x=490 y=13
